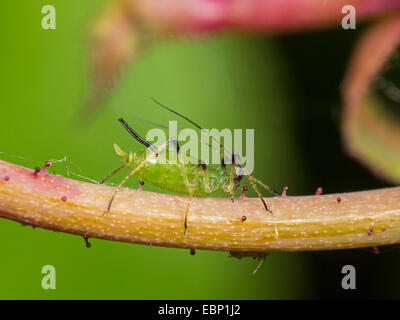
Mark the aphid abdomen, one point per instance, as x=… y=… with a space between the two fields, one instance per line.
x=176 y=177
x=165 y=176
x=171 y=177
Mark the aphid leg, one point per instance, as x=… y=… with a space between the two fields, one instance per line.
x=262 y=200
x=206 y=179
x=121 y=184
x=192 y=187
x=259 y=194
x=276 y=194
x=186 y=214
x=259 y=265
x=118 y=188
x=232 y=179
x=112 y=173
x=175 y=142
x=223 y=165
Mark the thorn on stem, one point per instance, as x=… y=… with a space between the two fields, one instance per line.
x=243 y=194
x=86 y=238
x=284 y=192
x=36 y=171
x=375 y=250
x=141 y=183
x=319 y=191
x=46 y=165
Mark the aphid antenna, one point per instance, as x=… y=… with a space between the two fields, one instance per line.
x=192 y=122
x=150 y=122
x=135 y=135
x=166 y=127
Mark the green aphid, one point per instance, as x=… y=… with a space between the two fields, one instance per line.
x=153 y=166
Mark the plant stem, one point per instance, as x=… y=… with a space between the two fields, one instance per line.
x=321 y=222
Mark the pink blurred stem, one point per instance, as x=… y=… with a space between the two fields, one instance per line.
x=271 y=16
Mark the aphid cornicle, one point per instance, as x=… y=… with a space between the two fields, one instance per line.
x=181 y=177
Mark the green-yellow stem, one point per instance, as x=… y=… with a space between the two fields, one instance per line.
x=318 y=222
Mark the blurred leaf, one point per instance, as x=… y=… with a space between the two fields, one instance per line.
x=120 y=33
x=372 y=134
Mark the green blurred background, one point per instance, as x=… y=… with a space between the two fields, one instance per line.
x=286 y=88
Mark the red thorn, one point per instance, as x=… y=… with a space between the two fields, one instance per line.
x=375 y=250
x=370 y=232
x=46 y=165
x=339 y=199
x=319 y=191
x=64 y=198
x=243 y=194
x=243 y=218
x=141 y=183
x=6 y=178
x=192 y=252
x=86 y=238
x=36 y=171
x=285 y=190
